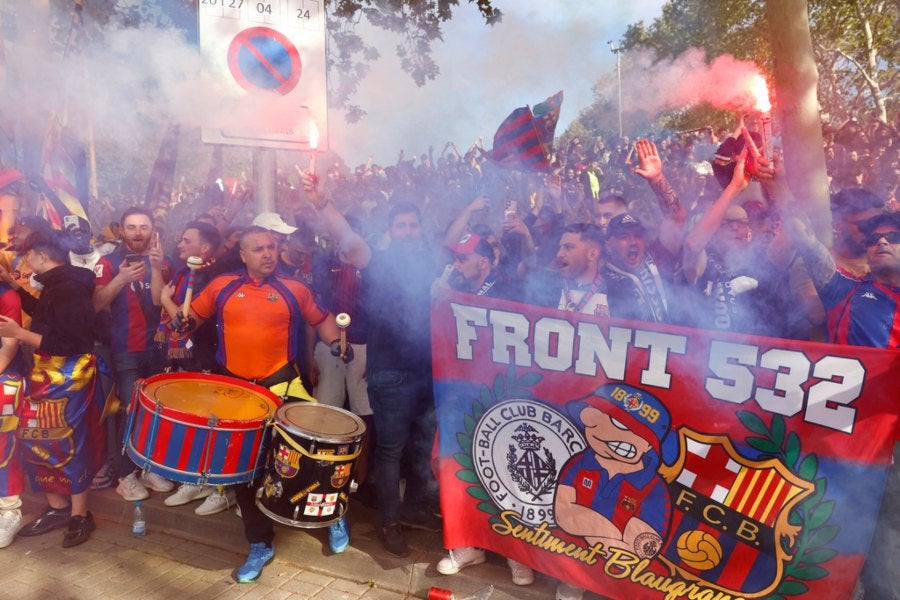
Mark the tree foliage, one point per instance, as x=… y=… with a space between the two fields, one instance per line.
x=416 y=23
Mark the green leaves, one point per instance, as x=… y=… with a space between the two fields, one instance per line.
x=752 y=422
x=505 y=386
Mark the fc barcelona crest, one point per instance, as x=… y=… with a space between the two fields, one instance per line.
x=341 y=475
x=287 y=461
x=729 y=524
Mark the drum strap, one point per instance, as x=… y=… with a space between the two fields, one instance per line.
x=329 y=457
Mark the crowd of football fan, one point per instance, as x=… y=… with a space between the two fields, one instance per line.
x=691 y=229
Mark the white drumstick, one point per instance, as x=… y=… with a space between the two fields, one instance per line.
x=193 y=263
x=343 y=322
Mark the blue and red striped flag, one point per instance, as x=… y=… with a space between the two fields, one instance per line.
x=524 y=141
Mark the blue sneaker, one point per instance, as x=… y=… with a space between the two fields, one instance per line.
x=339 y=536
x=260 y=555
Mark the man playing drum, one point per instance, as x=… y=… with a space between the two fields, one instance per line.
x=259 y=316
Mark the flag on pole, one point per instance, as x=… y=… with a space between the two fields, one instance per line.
x=63 y=180
x=162 y=176
x=524 y=141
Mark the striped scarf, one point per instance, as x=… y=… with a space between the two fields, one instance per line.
x=178 y=344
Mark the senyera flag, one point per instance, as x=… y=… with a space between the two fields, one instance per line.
x=644 y=461
x=524 y=141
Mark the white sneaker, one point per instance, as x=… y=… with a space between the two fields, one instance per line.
x=131 y=489
x=187 y=492
x=460 y=558
x=156 y=483
x=214 y=503
x=564 y=591
x=10 y=522
x=521 y=575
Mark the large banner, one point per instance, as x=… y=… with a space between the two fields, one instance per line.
x=643 y=461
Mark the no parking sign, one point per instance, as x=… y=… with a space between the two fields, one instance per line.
x=266 y=71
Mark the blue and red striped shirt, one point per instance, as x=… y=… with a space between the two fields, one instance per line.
x=134 y=317
x=861 y=312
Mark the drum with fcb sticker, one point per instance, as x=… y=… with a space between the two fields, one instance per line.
x=198 y=428
x=310 y=469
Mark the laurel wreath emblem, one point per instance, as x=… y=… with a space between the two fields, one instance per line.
x=811 y=515
x=505 y=387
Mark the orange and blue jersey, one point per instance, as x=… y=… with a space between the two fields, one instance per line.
x=134 y=318
x=259 y=321
x=619 y=498
x=861 y=312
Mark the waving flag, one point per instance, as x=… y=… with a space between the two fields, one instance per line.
x=63 y=186
x=63 y=183
x=524 y=141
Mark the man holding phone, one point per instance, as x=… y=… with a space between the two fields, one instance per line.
x=129 y=283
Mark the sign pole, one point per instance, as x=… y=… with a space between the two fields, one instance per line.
x=264 y=179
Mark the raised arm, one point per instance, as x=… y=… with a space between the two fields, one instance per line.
x=695 y=242
x=353 y=249
x=459 y=226
x=671 y=234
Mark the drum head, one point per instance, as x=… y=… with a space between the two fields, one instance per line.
x=203 y=398
x=320 y=422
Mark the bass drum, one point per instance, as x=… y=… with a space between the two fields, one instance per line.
x=198 y=428
x=308 y=475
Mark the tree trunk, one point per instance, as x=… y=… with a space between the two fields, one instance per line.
x=871 y=71
x=797 y=109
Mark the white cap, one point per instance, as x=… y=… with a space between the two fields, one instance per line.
x=273 y=222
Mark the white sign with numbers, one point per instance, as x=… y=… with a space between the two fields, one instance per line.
x=265 y=64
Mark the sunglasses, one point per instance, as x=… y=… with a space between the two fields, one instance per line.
x=892 y=237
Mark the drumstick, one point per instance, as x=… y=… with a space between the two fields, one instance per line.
x=343 y=322
x=193 y=263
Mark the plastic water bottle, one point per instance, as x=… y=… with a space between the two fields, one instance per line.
x=139 y=523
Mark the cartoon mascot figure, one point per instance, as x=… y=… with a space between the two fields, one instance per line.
x=612 y=493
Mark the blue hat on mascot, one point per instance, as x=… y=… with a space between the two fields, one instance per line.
x=642 y=412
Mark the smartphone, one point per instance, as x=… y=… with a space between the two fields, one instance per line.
x=510 y=208
x=70 y=221
x=133 y=258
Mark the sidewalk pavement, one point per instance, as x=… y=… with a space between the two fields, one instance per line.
x=188 y=556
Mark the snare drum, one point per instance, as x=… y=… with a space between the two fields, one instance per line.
x=198 y=428
x=314 y=449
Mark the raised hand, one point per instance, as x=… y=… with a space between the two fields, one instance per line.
x=649 y=163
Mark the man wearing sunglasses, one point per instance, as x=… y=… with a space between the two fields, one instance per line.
x=861 y=312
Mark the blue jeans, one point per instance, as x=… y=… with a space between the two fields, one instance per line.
x=127 y=368
x=403 y=409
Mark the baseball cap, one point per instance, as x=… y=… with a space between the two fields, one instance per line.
x=624 y=223
x=34 y=223
x=890 y=219
x=82 y=226
x=273 y=222
x=640 y=411
x=473 y=244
